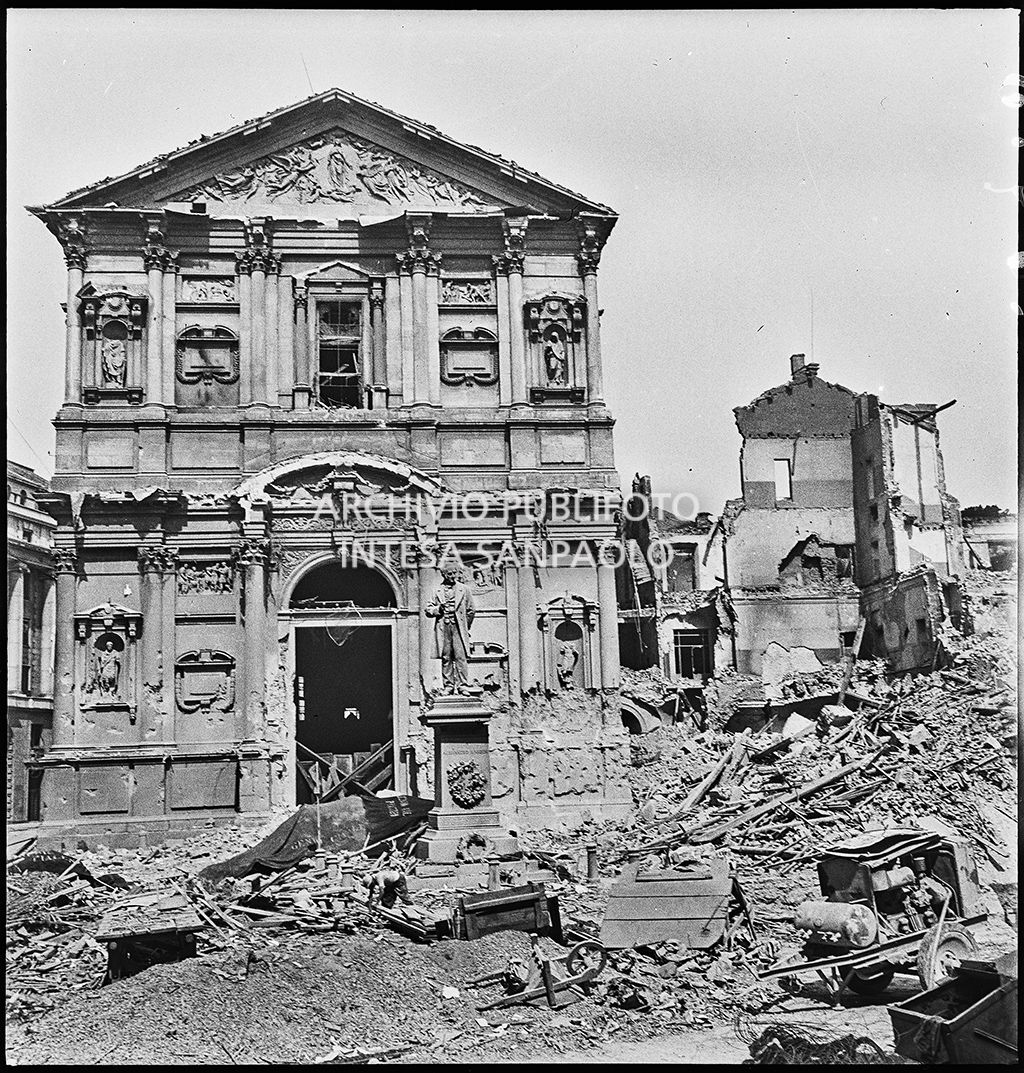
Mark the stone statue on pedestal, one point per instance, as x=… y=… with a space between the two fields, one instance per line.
x=105 y=672
x=452 y=606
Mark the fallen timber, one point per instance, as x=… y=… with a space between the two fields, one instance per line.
x=699 y=835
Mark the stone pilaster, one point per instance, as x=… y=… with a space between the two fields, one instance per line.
x=72 y=238
x=407 y=318
x=303 y=377
x=258 y=330
x=15 y=624
x=66 y=564
x=151 y=562
x=153 y=259
x=378 y=372
x=511 y=265
x=285 y=342
x=252 y=559
x=587 y=260
x=243 y=273
x=529 y=665
x=273 y=360
x=170 y=280
x=608 y=615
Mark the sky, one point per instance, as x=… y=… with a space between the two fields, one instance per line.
x=860 y=164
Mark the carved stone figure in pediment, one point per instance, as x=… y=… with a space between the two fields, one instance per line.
x=335 y=167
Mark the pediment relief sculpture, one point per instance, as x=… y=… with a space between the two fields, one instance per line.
x=335 y=168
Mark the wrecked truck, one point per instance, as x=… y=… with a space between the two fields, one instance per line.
x=893 y=901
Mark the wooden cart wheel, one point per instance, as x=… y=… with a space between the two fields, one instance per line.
x=871 y=979
x=586 y=957
x=942 y=949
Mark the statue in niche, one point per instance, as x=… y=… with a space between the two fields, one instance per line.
x=556 y=364
x=105 y=671
x=565 y=665
x=453 y=609
x=114 y=361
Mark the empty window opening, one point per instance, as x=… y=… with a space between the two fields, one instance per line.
x=339 y=342
x=689 y=654
x=681 y=571
x=922 y=629
x=783 y=479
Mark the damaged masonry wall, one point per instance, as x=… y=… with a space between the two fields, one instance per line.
x=909 y=535
x=787 y=544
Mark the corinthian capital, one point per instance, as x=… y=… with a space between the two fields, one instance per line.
x=590 y=247
x=252 y=553
x=71 y=236
x=65 y=561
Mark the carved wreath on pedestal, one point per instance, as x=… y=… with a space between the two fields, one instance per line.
x=467 y=784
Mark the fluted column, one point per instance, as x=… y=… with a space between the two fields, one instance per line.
x=511 y=264
x=243 y=270
x=273 y=266
x=65 y=563
x=252 y=558
x=15 y=626
x=587 y=260
x=608 y=613
x=153 y=259
x=75 y=258
x=427 y=578
x=529 y=672
x=170 y=280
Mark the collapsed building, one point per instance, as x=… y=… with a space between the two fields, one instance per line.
x=990 y=538
x=844 y=542
x=306 y=359
x=909 y=535
x=787 y=544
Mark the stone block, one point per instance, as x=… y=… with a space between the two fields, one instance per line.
x=110 y=450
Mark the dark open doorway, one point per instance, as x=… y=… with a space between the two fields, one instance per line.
x=344 y=697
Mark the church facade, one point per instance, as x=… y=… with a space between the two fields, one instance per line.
x=309 y=362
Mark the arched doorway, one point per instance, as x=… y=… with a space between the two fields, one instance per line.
x=342 y=618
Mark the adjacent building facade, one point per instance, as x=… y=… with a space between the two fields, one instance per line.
x=30 y=633
x=308 y=360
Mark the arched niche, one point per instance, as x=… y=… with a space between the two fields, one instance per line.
x=567 y=625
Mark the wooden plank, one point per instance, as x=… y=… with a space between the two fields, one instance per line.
x=694 y=888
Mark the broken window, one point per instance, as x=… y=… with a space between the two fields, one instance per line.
x=783 y=479
x=844 y=560
x=31 y=635
x=338 y=342
x=922 y=629
x=689 y=654
x=846 y=642
x=681 y=571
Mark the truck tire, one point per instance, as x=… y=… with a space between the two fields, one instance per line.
x=940 y=955
x=872 y=979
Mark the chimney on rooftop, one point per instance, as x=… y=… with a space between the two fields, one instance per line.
x=800 y=370
x=796 y=364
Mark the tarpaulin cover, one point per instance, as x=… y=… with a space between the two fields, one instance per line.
x=387 y=817
x=342 y=827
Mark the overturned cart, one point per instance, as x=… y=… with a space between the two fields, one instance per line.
x=893 y=901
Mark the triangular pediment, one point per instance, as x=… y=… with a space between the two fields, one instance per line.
x=335 y=169
x=332 y=154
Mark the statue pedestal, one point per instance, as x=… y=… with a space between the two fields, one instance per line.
x=463 y=824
